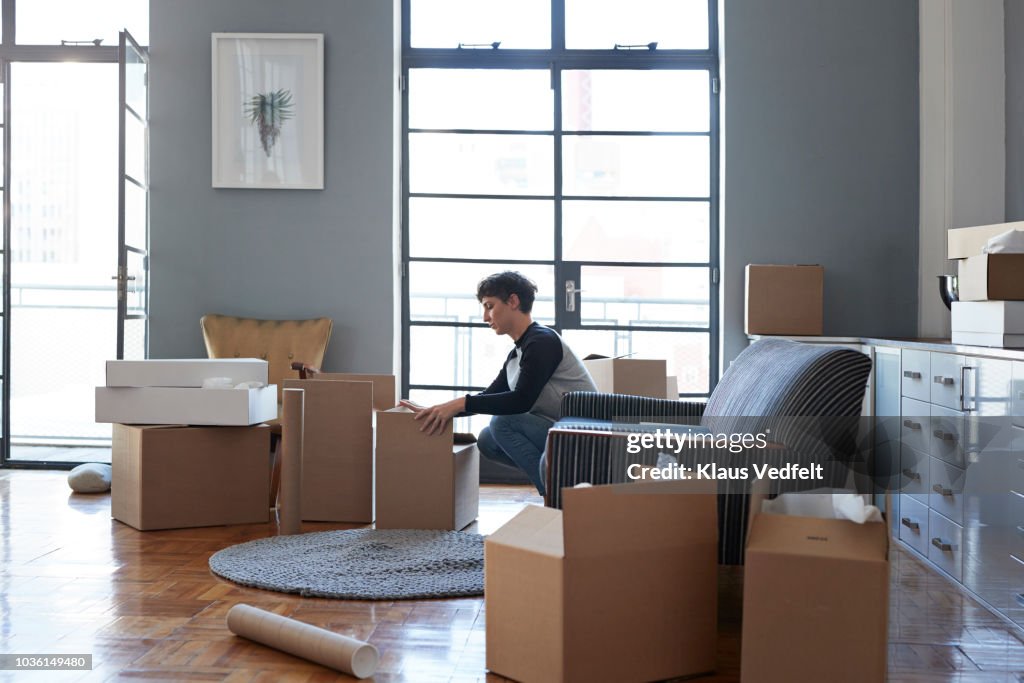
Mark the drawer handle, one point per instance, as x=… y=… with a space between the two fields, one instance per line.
x=944 y=547
x=941 y=491
x=945 y=436
x=910 y=374
x=945 y=381
x=911 y=474
x=910 y=424
x=910 y=524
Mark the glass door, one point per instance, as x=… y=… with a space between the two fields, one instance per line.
x=132 y=278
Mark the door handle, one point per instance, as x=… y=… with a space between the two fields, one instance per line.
x=963 y=388
x=570 y=295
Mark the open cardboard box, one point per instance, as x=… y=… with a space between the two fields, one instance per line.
x=337 y=450
x=815 y=599
x=991 y=277
x=620 y=586
x=169 y=477
x=424 y=482
x=184 y=372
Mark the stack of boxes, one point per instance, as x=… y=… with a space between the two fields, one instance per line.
x=184 y=456
x=990 y=309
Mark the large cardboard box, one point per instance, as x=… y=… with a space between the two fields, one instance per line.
x=633 y=376
x=967 y=242
x=991 y=277
x=188 y=406
x=424 y=482
x=621 y=586
x=169 y=477
x=337 y=450
x=385 y=395
x=184 y=372
x=785 y=299
x=815 y=600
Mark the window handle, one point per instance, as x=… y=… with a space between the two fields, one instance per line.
x=639 y=46
x=477 y=46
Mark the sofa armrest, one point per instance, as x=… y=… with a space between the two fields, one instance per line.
x=598 y=406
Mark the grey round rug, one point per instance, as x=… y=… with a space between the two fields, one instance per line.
x=360 y=564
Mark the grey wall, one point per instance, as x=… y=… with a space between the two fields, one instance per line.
x=275 y=253
x=821 y=156
x=1013 y=17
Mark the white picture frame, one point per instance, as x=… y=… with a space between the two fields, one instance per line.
x=268 y=110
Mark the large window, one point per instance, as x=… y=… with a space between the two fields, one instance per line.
x=576 y=142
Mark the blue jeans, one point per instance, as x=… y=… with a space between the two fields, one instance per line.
x=517 y=440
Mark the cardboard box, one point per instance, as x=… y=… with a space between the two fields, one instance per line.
x=184 y=372
x=785 y=300
x=633 y=376
x=991 y=277
x=424 y=482
x=385 y=395
x=991 y=339
x=815 y=600
x=186 y=406
x=967 y=242
x=337 y=450
x=170 y=477
x=621 y=586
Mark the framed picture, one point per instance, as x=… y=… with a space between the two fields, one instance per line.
x=268 y=110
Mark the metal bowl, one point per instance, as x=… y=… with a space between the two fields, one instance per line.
x=948 y=289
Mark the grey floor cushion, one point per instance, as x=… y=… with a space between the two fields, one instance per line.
x=92 y=477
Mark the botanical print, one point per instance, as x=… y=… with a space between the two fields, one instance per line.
x=268 y=112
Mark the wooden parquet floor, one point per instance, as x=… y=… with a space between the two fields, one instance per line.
x=146 y=606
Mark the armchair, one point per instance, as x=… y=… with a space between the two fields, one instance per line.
x=807 y=397
x=286 y=345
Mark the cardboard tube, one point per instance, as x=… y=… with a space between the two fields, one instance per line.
x=333 y=650
x=293 y=401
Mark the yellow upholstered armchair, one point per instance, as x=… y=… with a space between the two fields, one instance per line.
x=286 y=345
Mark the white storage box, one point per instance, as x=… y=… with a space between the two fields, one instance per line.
x=186 y=406
x=184 y=372
x=993 y=317
x=995 y=339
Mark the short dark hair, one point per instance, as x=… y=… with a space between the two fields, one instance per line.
x=505 y=284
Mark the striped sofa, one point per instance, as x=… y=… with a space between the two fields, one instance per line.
x=804 y=398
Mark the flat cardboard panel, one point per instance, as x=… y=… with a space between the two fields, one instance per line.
x=523 y=595
x=785 y=299
x=652 y=623
x=823 y=583
x=385 y=396
x=1000 y=317
x=991 y=277
x=183 y=372
x=189 y=406
x=967 y=242
x=177 y=477
x=337 y=450
x=671 y=387
x=632 y=376
x=423 y=482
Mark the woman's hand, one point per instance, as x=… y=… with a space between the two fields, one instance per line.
x=436 y=418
